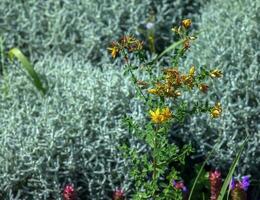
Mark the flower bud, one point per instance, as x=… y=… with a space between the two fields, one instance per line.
x=118 y=194
x=69 y=192
x=215 y=73
x=186 y=23
x=203 y=87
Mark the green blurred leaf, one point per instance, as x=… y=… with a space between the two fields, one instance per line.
x=231 y=171
x=27 y=66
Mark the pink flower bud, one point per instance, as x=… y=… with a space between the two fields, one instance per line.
x=118 y=194
x=69 y=192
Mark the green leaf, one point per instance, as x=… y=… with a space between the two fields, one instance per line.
x=28 y=67
x=231 y=171
x=170 y=48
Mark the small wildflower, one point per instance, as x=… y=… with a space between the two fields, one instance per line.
x=166 y=113
x=215 y=184
x=179 y=185
x=232 y=184
x=118 y=194
x=216 y=110
x=156 y=116
x=203 y=87
x=114 y=50
x=239 y=188
x=215 y=73
x=160 y=115
x=69 y=192
x=245 y=183
x=186 y=23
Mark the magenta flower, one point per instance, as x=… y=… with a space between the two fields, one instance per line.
x=215 y=184
x=69 y=192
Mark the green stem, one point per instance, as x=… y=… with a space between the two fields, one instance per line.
x=134 y=79
x=154 y=177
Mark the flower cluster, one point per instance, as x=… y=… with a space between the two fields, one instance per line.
x=160 y=115
x=161 y=90
x=169 y=87
x=182 y=32
x=179 y=185
x=128 y=43
x=239 y=188
x=215 y=184
x=173 y=80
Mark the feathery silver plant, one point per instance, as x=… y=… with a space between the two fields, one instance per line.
x=69 y=136
x=230 y=42
x=86 y=27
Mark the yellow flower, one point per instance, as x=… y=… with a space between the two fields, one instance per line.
x=166 y=113
x=156 y=116
x=186 y=23
x=114 y=51
x=215 y=73
x=160 y=115
x=216 y=110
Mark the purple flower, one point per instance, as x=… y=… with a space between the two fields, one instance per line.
x=232 y=184
x=179 y=186
x=184 y=189
x=245 y=183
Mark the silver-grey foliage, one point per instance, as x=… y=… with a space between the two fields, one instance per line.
x=71 y=135
x=230 y=42
x=85 y=26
